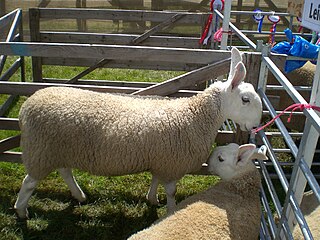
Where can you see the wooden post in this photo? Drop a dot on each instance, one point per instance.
(238, 17)
(81, 23)
(2, 7)
(34, 16)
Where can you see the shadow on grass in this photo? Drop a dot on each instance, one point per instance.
(120, 221)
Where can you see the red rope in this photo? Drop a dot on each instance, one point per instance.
(293, 107)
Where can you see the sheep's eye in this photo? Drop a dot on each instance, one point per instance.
(245, 99)
(220, 159)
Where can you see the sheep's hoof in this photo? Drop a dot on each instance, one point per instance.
(22, 214)
(153, 201)
(82, 198)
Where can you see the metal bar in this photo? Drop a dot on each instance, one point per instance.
(271, 188)
(264, 231)
(310, 178)
(280, 87)
(290, 204)
(279, 123)
(262, 13)
(243, 37)
(265, 204)
(282, 178)
(293, 93)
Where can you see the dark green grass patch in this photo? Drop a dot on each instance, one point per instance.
(116, 206)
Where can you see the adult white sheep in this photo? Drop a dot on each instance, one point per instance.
(228, 210)
(110, 134)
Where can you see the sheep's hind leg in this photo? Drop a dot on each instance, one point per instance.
(171, 188)
(27, 188)
(152, 193)
(76, 191)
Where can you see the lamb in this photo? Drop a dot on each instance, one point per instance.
(110, 134)
(228, 210)
(310, 207)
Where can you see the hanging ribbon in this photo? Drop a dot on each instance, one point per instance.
(293, 107)
(217, 37)
(274, 19)
(258, 17)
(207, 32)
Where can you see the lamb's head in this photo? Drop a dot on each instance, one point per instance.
(240, 102)
(232, 160)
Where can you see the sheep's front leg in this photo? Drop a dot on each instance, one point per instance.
(152, 193)
(76, 191)
(27, 188)
(171, 189)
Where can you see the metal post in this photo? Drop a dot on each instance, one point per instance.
(263, 75)
(225, 24)
(298, 181)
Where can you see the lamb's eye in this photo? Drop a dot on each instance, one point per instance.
(220, 159)
(245, 99)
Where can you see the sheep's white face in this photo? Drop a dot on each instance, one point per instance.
(233, 160)
(244, 106)
(240, 101)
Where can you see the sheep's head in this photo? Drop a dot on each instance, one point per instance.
(233, 160)
(240, 103)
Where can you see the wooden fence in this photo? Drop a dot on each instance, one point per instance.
(145, 51)
(163, 51)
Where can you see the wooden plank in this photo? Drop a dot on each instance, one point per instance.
(27, 89)
(188, 79)
(2, 8)
(157, 28)
(117, 52)
(128, 64)
(9, 143)
(9, 123)
(104, 83)
(7, 19)
(12, 70)
(13, 157)
(118, 39)
(7, 104)
(117, 14)
(252, 62)
(34, 19)
(135, 41)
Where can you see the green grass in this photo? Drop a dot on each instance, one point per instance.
(116, 206)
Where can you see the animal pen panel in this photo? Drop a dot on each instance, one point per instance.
(160, 52)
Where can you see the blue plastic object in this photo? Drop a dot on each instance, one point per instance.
(297, 46)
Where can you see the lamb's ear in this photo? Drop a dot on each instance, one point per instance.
(245, 153)
(235, 59)
(239, 75)
(260, 153)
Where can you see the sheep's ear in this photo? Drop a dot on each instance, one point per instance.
(235, 59)
(245, 153)
(239, 75)
(260, 153)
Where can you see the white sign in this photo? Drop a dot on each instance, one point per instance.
(311, 15)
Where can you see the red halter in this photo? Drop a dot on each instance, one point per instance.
(293, 107)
